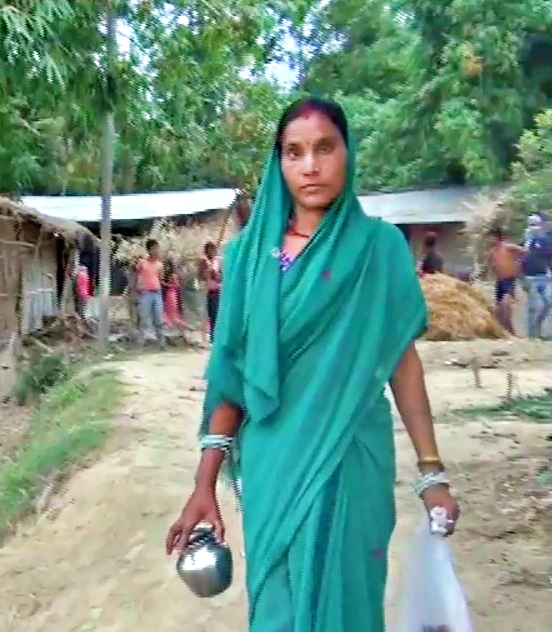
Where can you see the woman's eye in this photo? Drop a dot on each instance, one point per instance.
(292, 152)
(325, 148)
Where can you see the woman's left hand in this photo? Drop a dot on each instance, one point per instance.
(440, 496)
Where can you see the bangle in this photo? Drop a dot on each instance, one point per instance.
(428, 480)
(216, 442)
(431, 460)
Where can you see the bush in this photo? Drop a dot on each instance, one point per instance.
(40, 374)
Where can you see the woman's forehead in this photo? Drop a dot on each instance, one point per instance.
(309, 127)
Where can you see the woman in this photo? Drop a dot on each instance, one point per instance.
(319, 311)
(83, 291)
(432, 262)
(210, 273)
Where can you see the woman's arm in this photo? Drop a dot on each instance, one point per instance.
(408, 386)
(225, 421)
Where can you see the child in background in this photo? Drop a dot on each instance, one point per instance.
(83, 293)
(171, 314)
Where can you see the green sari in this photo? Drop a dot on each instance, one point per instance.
(307, 355)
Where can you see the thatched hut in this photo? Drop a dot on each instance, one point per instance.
(37, 256)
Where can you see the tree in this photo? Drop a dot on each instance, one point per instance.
(31, 62)
(450, 105)
(177, 75)
(531, 189)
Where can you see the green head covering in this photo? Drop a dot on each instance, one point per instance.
(268, 318)
(247, 329)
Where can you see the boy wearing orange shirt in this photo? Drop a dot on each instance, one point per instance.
(149, 273)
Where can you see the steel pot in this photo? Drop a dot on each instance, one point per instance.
(205, 565)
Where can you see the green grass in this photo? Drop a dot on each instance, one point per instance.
(72, 420)
(531, 407)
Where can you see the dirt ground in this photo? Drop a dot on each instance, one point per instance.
(95, 561)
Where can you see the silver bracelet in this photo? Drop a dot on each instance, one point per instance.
(428, 480)
(216, 442)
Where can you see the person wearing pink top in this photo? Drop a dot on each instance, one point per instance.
(82, 280)
(210, 272)
(171, 314)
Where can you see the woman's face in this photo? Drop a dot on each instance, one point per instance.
(314, 158)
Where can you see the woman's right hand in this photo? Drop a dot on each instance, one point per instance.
(201, 507)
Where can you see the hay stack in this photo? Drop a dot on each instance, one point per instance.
(458, 311)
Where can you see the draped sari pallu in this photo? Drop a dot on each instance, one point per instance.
(316, 449)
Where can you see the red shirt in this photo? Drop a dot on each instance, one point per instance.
(83, 284)
(149, 274)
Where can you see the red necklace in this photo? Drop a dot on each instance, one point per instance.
(292, 232)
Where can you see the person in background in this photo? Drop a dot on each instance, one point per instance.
(210, 272)
(432, 262)
(82, 281)
(504, 259)
(546, 223)
(171, 315)
(149, 272)
(536, 267)
(242, 210)
(132, 295)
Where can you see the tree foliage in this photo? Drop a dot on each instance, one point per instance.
(437, 93)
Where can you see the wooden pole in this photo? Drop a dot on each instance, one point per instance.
(107, 191)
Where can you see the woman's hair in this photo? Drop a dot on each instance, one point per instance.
(498, 233)
(304, 107)
(151, 244)
(209, 246)
(168, 270)
(430, 240)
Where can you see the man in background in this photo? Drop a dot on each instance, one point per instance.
(546, 223)
(504, 258)
(149, 275)
(536, 267)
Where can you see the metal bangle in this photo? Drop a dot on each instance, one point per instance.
(216, 442)
(428, 480)
(431, 460)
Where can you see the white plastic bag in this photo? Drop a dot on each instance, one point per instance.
(432, 598)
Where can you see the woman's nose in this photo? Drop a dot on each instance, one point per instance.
(311, 163)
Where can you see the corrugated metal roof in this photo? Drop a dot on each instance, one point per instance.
(412, 207)
(438, 206)
(135, 206)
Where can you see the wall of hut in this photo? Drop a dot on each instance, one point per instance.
(30, 261)
(39, 278)
(11, 254)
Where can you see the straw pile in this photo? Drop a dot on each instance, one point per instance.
(458, 311)
(183, 245)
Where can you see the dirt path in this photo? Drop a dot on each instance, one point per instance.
(96, 562)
